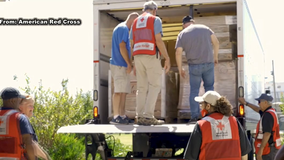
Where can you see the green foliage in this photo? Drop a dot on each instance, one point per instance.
(54, 109)
(282, 109)
(282, 100)
(68, 147)
(118, 149)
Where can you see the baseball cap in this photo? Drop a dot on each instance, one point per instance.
(210, 97)
(266, 97)
(187, 19)
(10, 92)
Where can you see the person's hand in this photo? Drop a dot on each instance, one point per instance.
(259, 155)
(215, 61)
(129, 69)
(242, 100)
(167, 65)
(182, 73)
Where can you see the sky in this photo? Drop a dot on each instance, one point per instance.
(47, 53)
(53, 53)
(267, 17)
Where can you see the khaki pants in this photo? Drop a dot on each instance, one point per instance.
(121, 79)
(148, 74)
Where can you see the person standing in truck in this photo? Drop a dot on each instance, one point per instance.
(218, 135)
(196, 41)
(267, 141)
(147, 47)
(121, 66)
(15, 130)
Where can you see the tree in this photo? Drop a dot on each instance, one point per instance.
(54, 109)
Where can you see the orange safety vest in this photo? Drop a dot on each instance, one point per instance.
(275, 130)
(10, 135)
(143, 35)
(220, 138)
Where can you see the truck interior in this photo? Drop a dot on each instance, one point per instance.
(147, 143)
(220, 17)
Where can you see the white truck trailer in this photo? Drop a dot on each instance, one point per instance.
(240, 72)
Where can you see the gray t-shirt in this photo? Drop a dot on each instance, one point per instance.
(196, 43)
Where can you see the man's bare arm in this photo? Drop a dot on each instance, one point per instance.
(39, 152)
(30, 148)
(179, 58)
(131, 49)
(245, 157)
(215, 44)
(254, 107)
(161, 46)
(124, 53)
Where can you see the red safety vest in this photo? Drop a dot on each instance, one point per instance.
(220, 138)
(10, 135)
(143, 35)
(275, 130)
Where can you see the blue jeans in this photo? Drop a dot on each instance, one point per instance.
(196, 73)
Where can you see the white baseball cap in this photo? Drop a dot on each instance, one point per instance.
(210, 97)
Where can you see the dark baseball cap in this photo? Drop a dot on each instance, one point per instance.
(266, 97)
(10, 92)
(187, 19)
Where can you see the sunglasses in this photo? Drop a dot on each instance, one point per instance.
(259, 101)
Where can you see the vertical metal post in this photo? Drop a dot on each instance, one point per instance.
(273, 75)
(191, 11)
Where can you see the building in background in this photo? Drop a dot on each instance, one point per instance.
(279, 87)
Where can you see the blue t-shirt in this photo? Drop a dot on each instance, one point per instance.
(34, 134)
(120, 33)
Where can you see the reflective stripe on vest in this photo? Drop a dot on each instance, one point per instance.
(4, 122)
(143, 35)
(221, 129)
(143, 46)
(260, 134)
(10, 135)
(8, 158)
(275, 130)
(220, 138)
